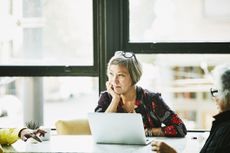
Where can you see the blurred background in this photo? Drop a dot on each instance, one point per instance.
(50, 33)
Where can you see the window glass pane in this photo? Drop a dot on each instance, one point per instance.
(184, 82)
(11, 103)
(179, 20)
(69, 98)
(32, 8)
(47, 32)
(61, 97)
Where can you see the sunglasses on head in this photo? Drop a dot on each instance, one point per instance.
(125, 54)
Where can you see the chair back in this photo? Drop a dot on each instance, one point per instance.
(73, 127)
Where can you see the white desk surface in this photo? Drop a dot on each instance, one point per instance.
(192, 143)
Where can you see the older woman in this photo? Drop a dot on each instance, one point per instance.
(122, 95)
(219, 138)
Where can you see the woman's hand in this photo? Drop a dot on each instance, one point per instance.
(161, 147)
(26, 133)
(116, 98)
(154, 132)
(111, 91)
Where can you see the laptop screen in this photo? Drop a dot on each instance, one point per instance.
(120, 128)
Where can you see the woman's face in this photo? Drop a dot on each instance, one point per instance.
(120, 78)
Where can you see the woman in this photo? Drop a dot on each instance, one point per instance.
(219, 138)
(122, 95)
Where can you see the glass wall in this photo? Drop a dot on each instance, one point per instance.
(62, 97)
(46, 32)
(160, 27)
(60, 33)
(179, 20)
(36, 33)
(184, 80)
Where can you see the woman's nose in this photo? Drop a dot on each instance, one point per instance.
(114, 79)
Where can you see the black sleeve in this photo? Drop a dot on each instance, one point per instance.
(103, 102)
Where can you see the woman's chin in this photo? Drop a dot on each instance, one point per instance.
(117, 91)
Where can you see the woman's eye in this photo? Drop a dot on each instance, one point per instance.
(121, 75)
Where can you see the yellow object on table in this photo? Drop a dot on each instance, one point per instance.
(8, 136)
(1, 150)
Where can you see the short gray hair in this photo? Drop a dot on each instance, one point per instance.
(129, 60)
(221, 75)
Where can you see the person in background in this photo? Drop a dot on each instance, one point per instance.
(124, 96)
(219, 139)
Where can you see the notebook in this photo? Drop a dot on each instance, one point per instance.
(118, 128)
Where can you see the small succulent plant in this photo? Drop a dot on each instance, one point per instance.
(32, 125)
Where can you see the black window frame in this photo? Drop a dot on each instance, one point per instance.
(62, 70)
(111, 33)
(115, 36)
(171, 47)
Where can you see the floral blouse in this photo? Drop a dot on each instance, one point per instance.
(155, 112)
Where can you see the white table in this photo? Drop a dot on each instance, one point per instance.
(85, 144)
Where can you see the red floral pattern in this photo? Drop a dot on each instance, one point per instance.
(176, 119)
(170, 131)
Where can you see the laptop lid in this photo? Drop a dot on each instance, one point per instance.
(119, 128)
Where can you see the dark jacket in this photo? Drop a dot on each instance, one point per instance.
(219, 138)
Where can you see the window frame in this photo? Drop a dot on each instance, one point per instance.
(170, 47)
(111, 33)
(63, 70)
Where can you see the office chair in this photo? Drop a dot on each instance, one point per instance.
(73, 127)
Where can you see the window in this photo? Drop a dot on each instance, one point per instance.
(184, 82)
(57, 97)
(179, 21)
(50, 48)
(47, 60)
(47, 32)
(179, 43)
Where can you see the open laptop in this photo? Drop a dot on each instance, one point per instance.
(118, 128)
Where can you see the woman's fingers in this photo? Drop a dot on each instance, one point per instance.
(161, 147)
(109, 86)
(157, 146)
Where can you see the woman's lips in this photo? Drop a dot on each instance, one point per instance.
(117, 88)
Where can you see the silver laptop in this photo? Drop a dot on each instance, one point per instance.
(118, 128)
